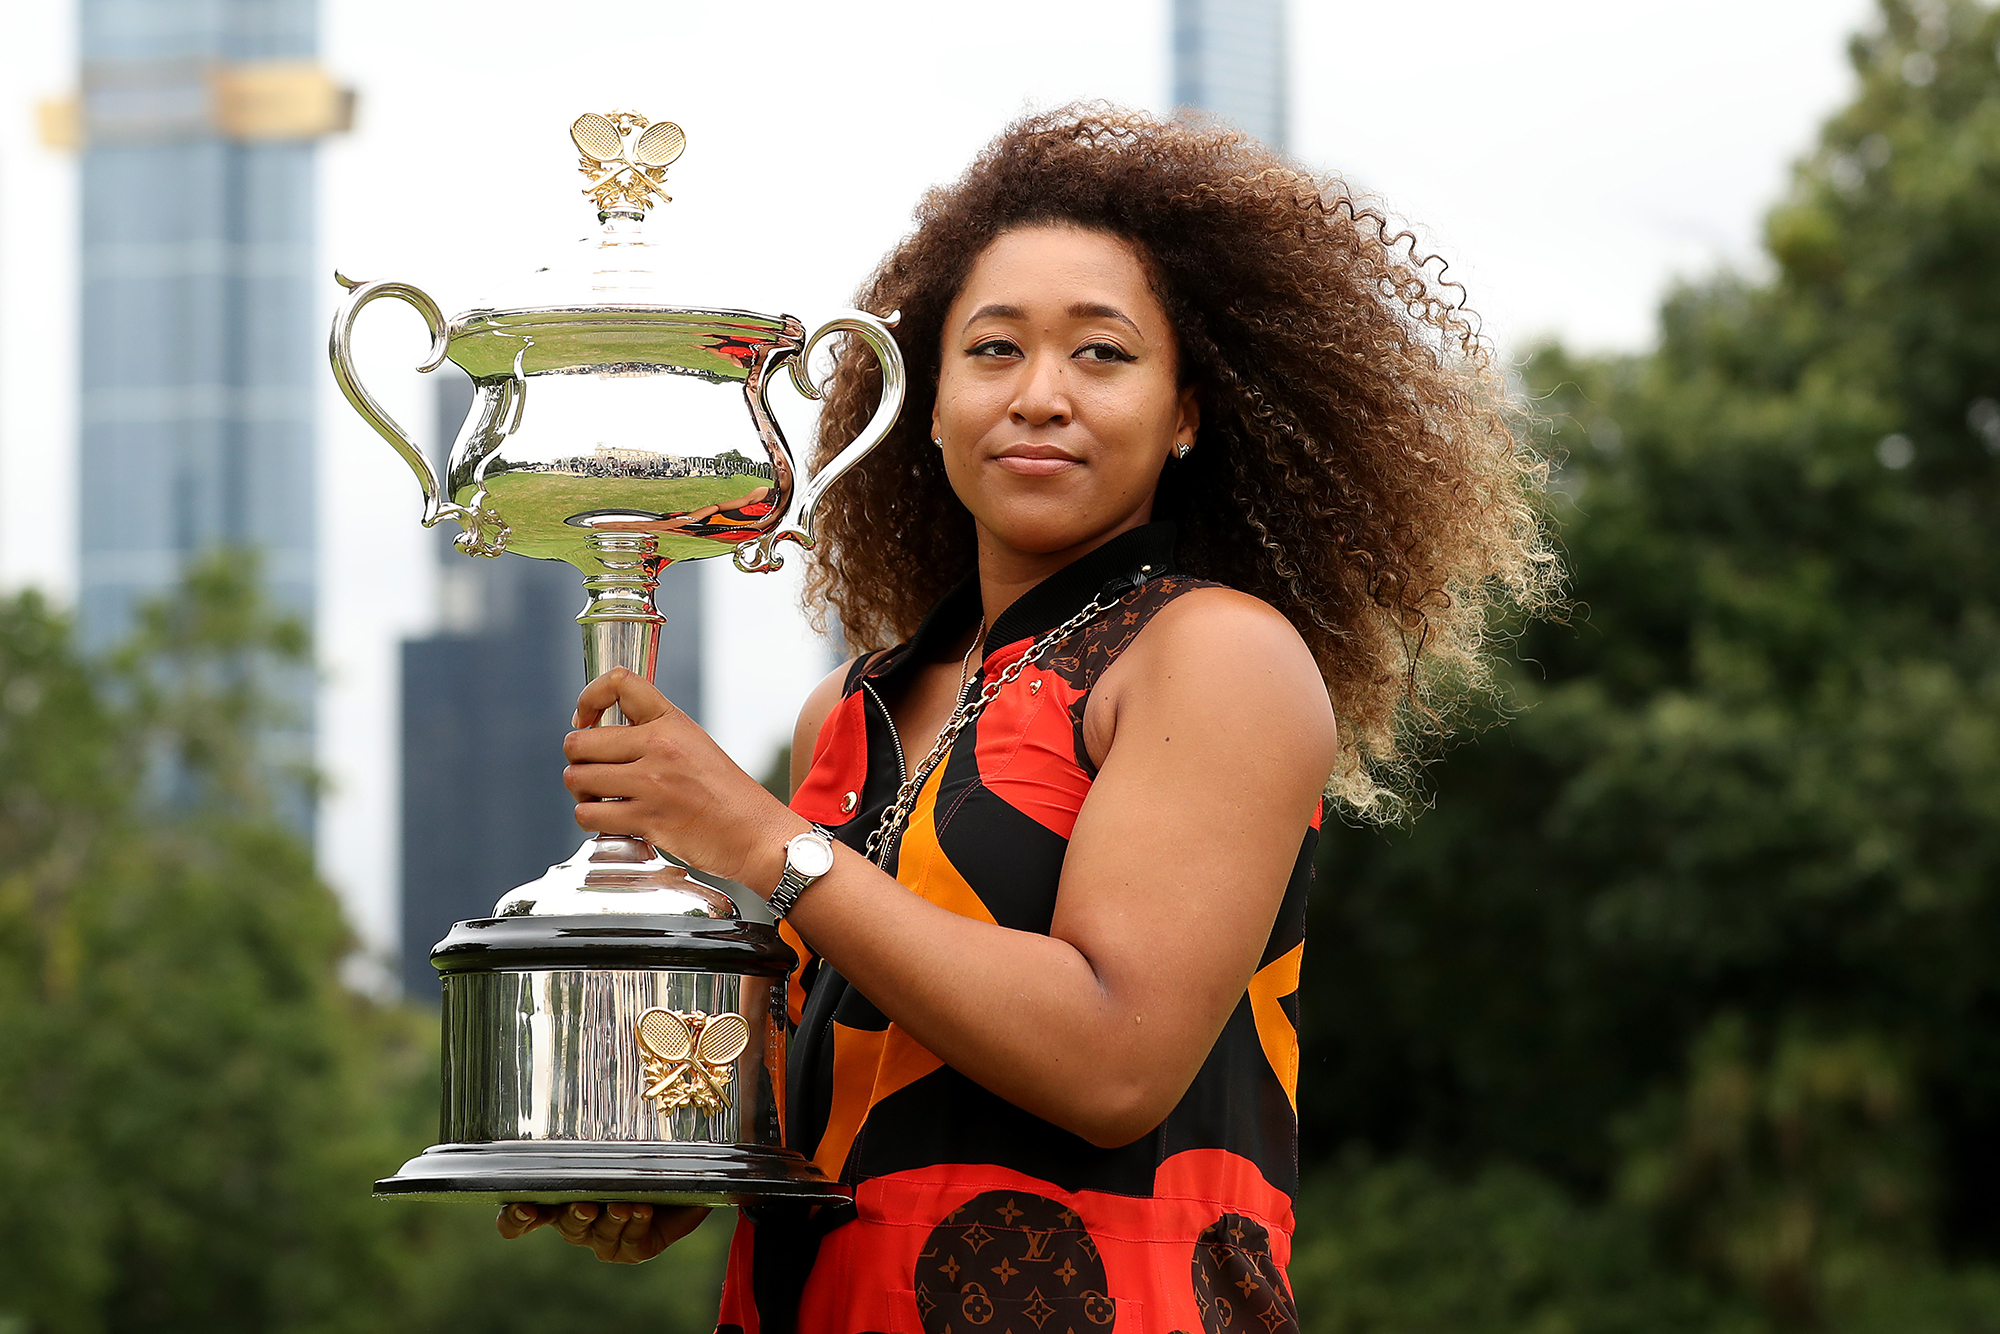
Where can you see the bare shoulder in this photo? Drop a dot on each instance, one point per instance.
(1221, 653)
(1216, 612)
(1215, 637)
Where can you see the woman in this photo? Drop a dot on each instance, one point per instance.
(1201, 483)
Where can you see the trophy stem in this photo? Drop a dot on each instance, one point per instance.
(621, 624)
(619, 873)
(621, 628)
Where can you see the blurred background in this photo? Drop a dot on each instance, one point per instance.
(1678, 1009)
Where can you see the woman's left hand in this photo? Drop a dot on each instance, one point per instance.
(676, 787)
(620, 1234)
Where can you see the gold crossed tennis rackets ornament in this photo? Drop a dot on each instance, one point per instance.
(688, 1056)
(626, 157)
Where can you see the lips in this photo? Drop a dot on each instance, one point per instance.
(1036, 460)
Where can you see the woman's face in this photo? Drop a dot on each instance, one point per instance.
(1058, 399)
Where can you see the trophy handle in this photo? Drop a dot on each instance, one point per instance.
(340, 351)
(761, 556)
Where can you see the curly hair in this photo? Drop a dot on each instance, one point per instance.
(1357, 465)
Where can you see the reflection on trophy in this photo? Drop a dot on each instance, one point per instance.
(616, 1030)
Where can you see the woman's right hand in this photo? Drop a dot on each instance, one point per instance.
(621, 1234)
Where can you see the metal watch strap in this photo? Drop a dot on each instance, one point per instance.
(792, 883)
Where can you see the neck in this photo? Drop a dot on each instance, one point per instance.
(1006, 572)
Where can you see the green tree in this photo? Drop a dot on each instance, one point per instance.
(192, 1105)
(1708, 934)
(182, 1075)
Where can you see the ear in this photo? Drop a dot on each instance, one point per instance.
(1188, 422)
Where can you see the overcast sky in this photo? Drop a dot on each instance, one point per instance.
(1569, 158)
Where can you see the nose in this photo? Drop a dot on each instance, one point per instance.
(1041, 395)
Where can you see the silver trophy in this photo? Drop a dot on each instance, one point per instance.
(616, 1030)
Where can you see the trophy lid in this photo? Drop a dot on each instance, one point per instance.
(625, 158)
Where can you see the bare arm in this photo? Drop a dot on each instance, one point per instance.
(1219, 740)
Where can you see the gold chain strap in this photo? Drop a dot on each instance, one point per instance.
(961, 718)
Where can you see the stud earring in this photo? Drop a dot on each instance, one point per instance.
(1182, 451)
(938, 440)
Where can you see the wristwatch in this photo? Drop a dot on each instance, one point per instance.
(807, 857)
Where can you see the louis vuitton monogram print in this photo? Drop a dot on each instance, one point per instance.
(1237, 1285)
(1007, 1262)
(1083, 658)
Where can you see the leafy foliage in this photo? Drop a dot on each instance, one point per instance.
(192, 1105)
(1400, 1246)
(1709, 934)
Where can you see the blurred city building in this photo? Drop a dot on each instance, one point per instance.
(486, 702)
(196, 123)
(1229, 59)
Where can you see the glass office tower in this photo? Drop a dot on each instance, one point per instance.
(196, 121)
(1229, 59)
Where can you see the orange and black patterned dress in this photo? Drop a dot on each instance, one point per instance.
(971, 1215)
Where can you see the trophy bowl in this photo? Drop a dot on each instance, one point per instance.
(616, 1030)
(636, 426)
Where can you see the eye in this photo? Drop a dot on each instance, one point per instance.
(1104, 352)
(993, 347)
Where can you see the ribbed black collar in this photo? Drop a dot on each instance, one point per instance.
(1128, 560)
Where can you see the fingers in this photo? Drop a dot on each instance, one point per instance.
(639, 698)
(623, 1235)
(601, 782)
(574, 1222)
(616, 1233)
(606, 817)
(604, 1228)
(517, 1220)
(604, 745)
(650, 1230)
(634, 1242)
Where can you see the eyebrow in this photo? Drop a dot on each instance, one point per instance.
(1088, 310)
(994, 311)
(1081, 310)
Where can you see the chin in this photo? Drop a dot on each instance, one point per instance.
(1042, 516)
(1047, 544)
(1046, 528)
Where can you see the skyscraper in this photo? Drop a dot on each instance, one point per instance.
(1229, 59)
(196, 122)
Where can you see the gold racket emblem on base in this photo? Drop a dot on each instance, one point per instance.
(689, 1057)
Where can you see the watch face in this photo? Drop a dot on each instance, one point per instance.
(809, 855)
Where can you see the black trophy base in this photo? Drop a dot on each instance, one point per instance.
(559, 1172)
